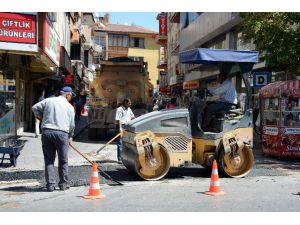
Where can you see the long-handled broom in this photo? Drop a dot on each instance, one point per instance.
(91, 162)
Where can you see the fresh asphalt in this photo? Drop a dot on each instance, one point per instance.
(271, 184)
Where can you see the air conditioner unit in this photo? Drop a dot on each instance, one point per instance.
(97, 48)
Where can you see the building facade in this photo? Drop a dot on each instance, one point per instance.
(134, 42)
(39, 51)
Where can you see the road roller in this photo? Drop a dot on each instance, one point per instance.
(156, 141)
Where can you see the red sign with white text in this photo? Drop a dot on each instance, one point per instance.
(18, 28)
(163, 31)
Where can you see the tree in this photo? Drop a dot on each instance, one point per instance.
(276, 36)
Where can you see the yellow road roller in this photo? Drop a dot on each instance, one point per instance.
(156, 141)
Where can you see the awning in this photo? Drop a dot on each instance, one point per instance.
(213, 56)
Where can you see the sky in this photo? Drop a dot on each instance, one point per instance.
(144, 19)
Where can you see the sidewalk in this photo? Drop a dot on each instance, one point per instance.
(30, 163)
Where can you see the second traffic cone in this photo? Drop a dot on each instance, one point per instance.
(94, 189)
(214, 188)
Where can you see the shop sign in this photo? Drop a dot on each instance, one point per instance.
(292, 131)
(162, 73)
(18, 32)
(51, 42)
(270, 131)
(69, 79)
(164, 90)
(192, 84)
(173, 80)
(261, 79)
(91, 76)
(163, 31)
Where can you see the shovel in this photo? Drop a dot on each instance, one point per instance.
(96, 152)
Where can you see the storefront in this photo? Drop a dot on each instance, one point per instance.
(18, 41)
(190, 88)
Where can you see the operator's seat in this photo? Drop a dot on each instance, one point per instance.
(228, 114)
(233, 110)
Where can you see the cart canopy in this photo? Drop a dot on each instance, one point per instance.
(281, 88)
(213, 56)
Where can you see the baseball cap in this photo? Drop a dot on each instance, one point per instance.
(68, 89)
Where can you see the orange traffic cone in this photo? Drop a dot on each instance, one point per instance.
(94, 189)
(214, 188)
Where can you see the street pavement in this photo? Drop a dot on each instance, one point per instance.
(272, 185)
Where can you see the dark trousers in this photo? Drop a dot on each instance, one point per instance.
(213, 108)
(55, 141)
(119, 143)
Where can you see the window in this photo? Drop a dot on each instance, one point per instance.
(137, 43)
(242, 43)
(270, 112)
(175, 122)
(291, 111)
(136, 58)
(86, 58)
(186, 18)
(97, 40)
(216, 43)
(7, 103)
(118, 40)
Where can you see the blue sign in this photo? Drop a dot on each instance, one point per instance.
(261, 79)
(162, 73)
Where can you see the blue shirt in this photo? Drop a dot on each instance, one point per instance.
(57, 114)
(226, 92)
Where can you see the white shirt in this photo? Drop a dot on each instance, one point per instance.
(57, 113)
(124, 115)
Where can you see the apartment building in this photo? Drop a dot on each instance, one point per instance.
(134, 42)
(48, 55)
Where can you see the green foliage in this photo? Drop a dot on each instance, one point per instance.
(276, 36)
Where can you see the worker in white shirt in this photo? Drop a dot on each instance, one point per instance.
(123, 115)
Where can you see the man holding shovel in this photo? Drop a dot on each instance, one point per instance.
(57, 116)
(123, 115)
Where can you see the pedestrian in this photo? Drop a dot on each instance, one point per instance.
(58, 124)
(172, 104)
(37, 121)
(123, 115)
(78, 106)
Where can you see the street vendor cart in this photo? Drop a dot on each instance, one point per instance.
(280, 118)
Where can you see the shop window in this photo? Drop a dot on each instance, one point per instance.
(291, 111)
(7, 104)
(271, 112)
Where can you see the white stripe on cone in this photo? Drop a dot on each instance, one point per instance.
(95, 186)
(215, 183)
(95, 174)
(214, 171)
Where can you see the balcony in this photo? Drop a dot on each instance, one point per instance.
(206, 27)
